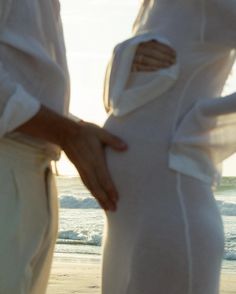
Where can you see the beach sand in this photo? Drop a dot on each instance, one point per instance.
(75, 274)
(81, 274)
(228, 283)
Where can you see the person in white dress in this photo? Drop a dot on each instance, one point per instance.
(167, 235)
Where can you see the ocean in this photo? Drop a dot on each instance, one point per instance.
(82, 221)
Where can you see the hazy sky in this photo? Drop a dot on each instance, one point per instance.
(91, 29)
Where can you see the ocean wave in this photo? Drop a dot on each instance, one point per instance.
(94, 238)
(84, 237)
(230, 255)
(73, 202)
(227, 208)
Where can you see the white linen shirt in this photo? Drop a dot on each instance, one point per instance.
(33, 69)
(203, 33)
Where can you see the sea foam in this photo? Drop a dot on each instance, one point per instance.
(73, 202)
(83, 237)
(227, 208)
(84, 227)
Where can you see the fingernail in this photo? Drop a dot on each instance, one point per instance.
(123, 145)
(113, 208)
(112, 205)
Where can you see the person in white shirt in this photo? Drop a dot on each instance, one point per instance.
(34, 127)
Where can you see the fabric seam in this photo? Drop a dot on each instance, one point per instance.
(186, 232)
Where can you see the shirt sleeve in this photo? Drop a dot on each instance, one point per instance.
(205, 138)
(16, 105)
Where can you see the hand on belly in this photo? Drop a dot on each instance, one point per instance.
(153, 55)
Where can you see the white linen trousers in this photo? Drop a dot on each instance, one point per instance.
(28, 218)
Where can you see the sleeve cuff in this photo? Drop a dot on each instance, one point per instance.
(20, 108)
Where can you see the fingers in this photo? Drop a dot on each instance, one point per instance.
(156, 52)
(104, 177)
(89, 159)
(164, 48)
(93, 186)
(87, 151)
(112, 141)
(153, 55)
(151, 63)
(147, 68)
(98, 180)
(104, 136)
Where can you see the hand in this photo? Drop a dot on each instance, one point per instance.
(84, 144)
(152, 56)
(85, 147)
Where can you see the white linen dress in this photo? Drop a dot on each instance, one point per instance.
(167, 235)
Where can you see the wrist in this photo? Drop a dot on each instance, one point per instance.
(50, 126)
(69, 128)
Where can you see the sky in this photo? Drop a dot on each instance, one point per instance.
(91, 29)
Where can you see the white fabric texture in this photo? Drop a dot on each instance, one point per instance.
(201, 52)
(32, 65)
(126, 91)
(33, 72)
(167, 234)
(19, 109)
(28, 219)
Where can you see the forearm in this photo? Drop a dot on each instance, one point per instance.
(49, 126)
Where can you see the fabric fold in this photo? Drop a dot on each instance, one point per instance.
(20, 108)
(204, 138)
(126, 91)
